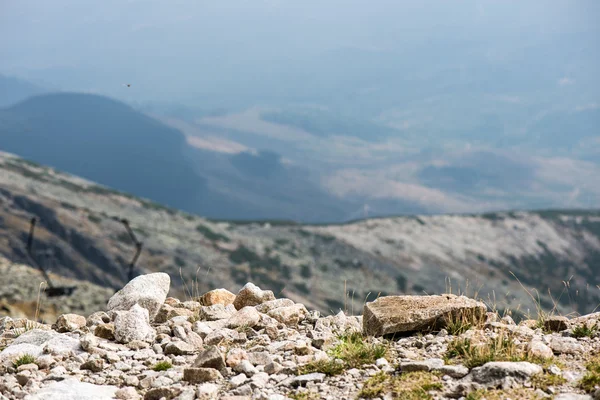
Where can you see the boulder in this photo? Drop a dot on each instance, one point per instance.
(148, 291)
(405, 314)
(201, 375)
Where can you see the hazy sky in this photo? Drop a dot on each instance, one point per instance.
(177, 48)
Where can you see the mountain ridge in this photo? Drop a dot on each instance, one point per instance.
(328, 267)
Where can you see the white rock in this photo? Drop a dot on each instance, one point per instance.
(133, 324)
(148, 291)
(72, 389)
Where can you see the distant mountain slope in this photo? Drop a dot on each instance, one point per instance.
(554, 254)
(14, 90)
(105, 141)
(111, 143)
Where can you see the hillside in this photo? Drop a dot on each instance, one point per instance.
(552, 252)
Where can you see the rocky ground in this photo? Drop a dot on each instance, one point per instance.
(254, 346)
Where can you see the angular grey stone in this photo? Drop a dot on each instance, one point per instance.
(133, 324)
(148, 291)
(454, 371)
(62, 345)
(398, 314)
(211, 357)
(504, 373)
(566, 345)
(35, 336)
(179, 348)
(427, 365)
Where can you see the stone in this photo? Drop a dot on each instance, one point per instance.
(302, 380)
(133, 324)
(70, 322)
(252, 295)
(404, 314)
(454, 371)
(290, 315)
(37, 337)
(217, 296)
(97, 318)
(88, 341)
(179, 348)
(246, 317)
(245, 367)
(235, 356)
(556, 323)
(565, 345)
(504, 374)
(105, 331)
(426, 366)
(147, 291)
(216, 312)
(159, 393)
(572, 396)
(338, 324)
(537, 348)
(267, 306)
(201, 375)
(62, 345)
(127, 393)
(211, 357)
(167, 312)
(95, 365)
(72, 389)
(208, 391)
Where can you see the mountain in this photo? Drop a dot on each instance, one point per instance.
(111, 143)
(14, 90)
(504, 258)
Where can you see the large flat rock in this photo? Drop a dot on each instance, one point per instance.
(405, 314)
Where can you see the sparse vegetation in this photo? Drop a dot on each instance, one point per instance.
(544, 381)
(351, 351)
(584, 330)
(24, 359)
(591, 379)
(409, 386)
(304, 395)
(500, 348)
(521, 394)
(162, 366)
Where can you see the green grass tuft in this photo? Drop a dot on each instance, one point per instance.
(352, 351)
(23, 360)
(162, 366)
